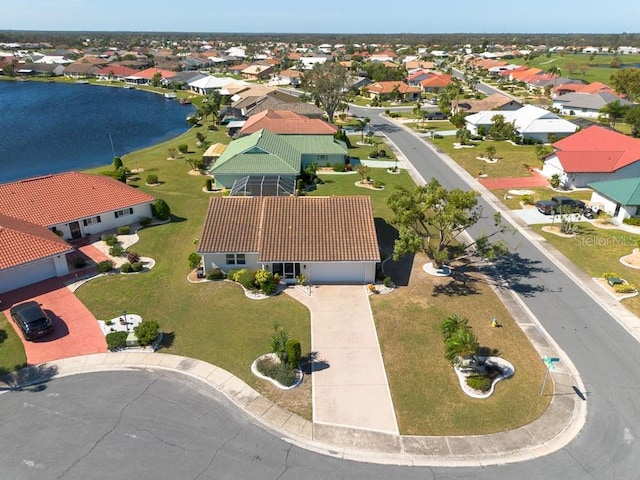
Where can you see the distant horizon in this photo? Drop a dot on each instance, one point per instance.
(331, 18)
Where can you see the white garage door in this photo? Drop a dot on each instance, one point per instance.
(26, 274)
(342, 272)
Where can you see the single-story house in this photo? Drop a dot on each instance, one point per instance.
(326, 239)
(384, 90)
(620, 198)
(594, 154)
(286, 122)
(257, 72)
(585, 104)
(496, 101)
(529, 122)
(266, 153)
(68, 206)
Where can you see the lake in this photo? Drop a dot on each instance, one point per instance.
(48, 127)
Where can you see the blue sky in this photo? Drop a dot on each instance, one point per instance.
(328, 16)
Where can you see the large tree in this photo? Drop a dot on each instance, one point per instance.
(613, 111)
(632, 117)
(327, 83)
(627, 82)
(431, 219)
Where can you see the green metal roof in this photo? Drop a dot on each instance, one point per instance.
(261, 153)
(625, 191)
(317, 144)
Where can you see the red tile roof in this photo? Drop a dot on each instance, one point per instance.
(148, 73)
(286, 122)
(594, 87)
(597, 149)
(439, 81)
(117, 71)
(292, 229)
(23, 242)
(385, 87)
(65, 197)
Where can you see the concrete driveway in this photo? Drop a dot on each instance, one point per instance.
(350, 386)
(75, 329)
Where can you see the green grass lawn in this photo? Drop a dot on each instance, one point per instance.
(363, 151)
(12, 356)
(511, 163)
(598, 250)
(580, 65)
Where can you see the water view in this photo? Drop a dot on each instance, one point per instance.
(53, 127)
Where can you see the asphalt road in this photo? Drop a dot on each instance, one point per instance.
(607, 357)
(164, 426)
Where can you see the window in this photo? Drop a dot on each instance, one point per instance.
(91, 221)
(322, 157)
(235, 259)
(122, 213)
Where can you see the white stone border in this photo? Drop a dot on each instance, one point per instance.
(254, 370)
(501, 363)
(443, 271)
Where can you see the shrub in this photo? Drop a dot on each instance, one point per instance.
(147, 332)
(136, 266)
(269, 287)
(373, 154)
(161, 209)
(105, 266)
(529, 199)
(555, 180)
(479, 382)
(280, 372)
(247, 279)
(120, 174)
(394, 114)
(378, 184)
(624, 288)
(124, 230)
(194, 260)
(116, 340)
(386, 281)
(200, 136)
(387, 111)
(214, 274)
(632, 221)
(438, 136)
(152, 179)
(116, 251)
(117, 163)
(133, 257)
(279, 340)
(183, 148)
(208, 184)
(300, 185)
(294, 352)
(78, 262)
(145, 222)
(263, 276)
(382, 153)
(234, 274)
(610, 275)
(338, 167)
(126, 268)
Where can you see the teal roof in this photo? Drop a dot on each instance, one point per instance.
(260, 153)
(625, 191)
(317, 144)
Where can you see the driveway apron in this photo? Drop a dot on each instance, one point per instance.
(350, 386)
(75, 329)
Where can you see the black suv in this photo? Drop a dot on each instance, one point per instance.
(31, 319)
(435, 116)
(560, 204)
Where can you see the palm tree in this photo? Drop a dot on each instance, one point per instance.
(451, 325)
(555, 72)
(361, 124)
(464, 135)
(462, 346)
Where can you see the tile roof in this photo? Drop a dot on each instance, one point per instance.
(23, 242)
(292, 229)
(597, 149)
(149, 73)
(64, 197)
(385, 87)
(117, 71)
(625, 191)
(592, 101)
(286, 122)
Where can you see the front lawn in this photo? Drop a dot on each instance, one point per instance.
(512, 159)
(12, 356)
(426, 394)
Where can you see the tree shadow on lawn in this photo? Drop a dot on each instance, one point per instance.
(400, 270)
(513, 271)
(30, 378)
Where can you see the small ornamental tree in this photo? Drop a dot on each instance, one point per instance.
(194, 260)
(294, 352)
(161, 210)
(279, 341)
(147, 332)
(117, 163)
(183, 148)
(490, 151)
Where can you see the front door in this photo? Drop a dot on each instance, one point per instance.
(74, 227)
(291, 270)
